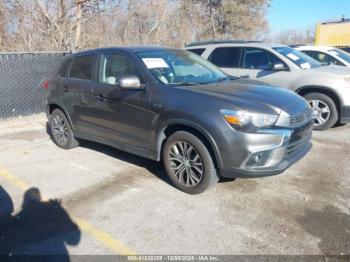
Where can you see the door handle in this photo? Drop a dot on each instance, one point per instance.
(99, 97)
(102, 98)
(244, 76)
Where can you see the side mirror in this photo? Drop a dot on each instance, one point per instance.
(129, 82)
(278, 67)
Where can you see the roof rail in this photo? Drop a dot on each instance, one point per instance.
(221, 42)
(297, 45)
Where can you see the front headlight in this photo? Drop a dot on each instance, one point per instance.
(248, 121)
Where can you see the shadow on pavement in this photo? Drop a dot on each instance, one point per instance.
(331, 226)
(154, 167)
(40, 228)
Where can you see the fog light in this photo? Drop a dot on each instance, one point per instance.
(259, 158)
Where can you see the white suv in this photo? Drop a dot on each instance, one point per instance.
(326, 88)
(326, 54)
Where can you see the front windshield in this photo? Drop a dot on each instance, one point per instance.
(179, 67)
(300, 59)
(341, 54)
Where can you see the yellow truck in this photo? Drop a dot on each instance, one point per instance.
(333, 33)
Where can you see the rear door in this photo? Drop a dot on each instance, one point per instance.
(257, 63)
(122, 116)
(77, 91)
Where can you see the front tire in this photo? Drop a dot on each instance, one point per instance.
(324, 110)
(188, 163)
(61, 131)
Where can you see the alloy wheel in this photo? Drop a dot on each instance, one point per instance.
(320, 111)
(59, 130)
(185, 164)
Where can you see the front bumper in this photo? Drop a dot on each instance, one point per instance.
(276, 149)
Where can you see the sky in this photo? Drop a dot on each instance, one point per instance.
(305, 14)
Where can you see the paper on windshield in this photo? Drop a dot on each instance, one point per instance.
(293, 57)
(305, 65)
(155, 63)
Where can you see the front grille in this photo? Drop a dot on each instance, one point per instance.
(295, 146)
(285, 120)
(292, 148)
(300, 119)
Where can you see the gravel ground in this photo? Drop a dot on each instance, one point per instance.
(304, 211)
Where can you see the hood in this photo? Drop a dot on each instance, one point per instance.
(250, 93)
(333, 69)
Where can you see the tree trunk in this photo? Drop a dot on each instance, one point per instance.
(78, 15)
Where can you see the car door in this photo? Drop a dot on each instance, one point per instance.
(121, 116)
(257, 63)
(228, 59)
(76, 90)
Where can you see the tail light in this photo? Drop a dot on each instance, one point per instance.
(46, 84)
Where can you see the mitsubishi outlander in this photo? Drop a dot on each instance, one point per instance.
(172, 105)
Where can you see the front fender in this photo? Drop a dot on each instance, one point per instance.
(190, 122)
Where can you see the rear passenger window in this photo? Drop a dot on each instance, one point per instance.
(197, 51)
(227, 57)
(82, 67)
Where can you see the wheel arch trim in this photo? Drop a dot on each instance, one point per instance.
(59, 106)
(161, 137)
(327, 91)
(320, 89)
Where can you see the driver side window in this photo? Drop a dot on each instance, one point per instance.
(114, 66)
(326, 59)
(256, 58)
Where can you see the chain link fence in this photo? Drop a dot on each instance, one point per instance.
(21, 79)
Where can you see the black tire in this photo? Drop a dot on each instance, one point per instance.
(207, 178)
(69, 142)
(333, 117)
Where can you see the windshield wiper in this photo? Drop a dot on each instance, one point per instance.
(226, 78)
(189, 84)
(234, 77)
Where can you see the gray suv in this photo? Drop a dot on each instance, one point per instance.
(326, 88)
(172, 105)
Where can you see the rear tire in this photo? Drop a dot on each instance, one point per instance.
(188, 163)
(61, 130)
(324, 109)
